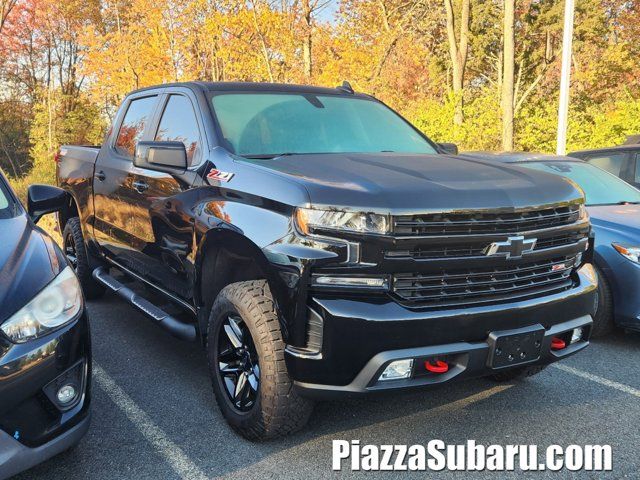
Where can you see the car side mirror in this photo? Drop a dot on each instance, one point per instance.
(170, 157)
(448, 148)
(43, 199)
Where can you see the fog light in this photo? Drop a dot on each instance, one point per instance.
(67, 394)
(398, 369)
(576, 335)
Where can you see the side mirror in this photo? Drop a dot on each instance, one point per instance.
(448, 148)
(170, 157)
(43, 199)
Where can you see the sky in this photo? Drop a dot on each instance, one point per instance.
(328, 12)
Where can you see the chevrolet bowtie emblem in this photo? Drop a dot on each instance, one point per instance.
(514, 247)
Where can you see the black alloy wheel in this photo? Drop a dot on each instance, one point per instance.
(238, 364)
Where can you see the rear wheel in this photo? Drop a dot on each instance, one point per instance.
(603, 319)
(517, 373)
(246, 360)
(76, 252)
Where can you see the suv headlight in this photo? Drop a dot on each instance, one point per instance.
(55, 306)
(632, 253)
(309, 219)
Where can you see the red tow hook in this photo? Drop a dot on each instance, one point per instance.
(438, 367)
(558, 343)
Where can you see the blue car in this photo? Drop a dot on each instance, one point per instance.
(614, 207)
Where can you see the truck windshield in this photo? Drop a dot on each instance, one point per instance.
(600, 187)
(265, 125)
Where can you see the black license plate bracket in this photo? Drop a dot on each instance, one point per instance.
(508, 348)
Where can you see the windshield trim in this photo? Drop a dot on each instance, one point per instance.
(359, 96)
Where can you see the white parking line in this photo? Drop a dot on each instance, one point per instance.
(172, 453)
(597, 379)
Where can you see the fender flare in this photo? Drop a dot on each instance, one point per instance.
(236, 244)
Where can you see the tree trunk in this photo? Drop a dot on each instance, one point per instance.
(307, 14)
(508, 72)
(458, 51)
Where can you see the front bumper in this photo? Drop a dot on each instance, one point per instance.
(360, 337)
(33, 427)
(624, 279)
(466, 360)
(16, 457)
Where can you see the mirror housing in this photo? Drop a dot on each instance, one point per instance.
(43, 199)
(170, 157)
(448, 148)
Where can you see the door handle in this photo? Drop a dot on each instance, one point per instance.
(140, 186)
(101, 176)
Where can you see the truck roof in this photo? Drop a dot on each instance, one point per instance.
(622, 148)
(255, 87)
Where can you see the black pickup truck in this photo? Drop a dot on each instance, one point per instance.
(320, 245)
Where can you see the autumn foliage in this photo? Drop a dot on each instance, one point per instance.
(65, 66)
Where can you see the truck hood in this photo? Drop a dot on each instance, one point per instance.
(25, 264)
(409, 183)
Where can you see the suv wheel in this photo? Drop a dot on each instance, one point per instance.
(517, 373)
(603, 319)
(76, 252)
(246, 359)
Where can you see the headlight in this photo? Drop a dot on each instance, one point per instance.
(309, 219)
(583, 213)
(55, 306)
(632, 253)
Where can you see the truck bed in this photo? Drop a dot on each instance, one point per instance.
(83, 153)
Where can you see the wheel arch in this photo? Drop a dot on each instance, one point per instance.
(224, 257)
(70, 210)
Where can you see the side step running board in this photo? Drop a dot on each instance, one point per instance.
(183, 331)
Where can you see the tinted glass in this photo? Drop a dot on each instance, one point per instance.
(7, 204)
(612, 163)
(600, 187)
(133, 125)
(178, 124)
(637, 177)
(276, 123)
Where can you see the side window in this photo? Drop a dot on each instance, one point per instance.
(133, 125)
(637, 175)
(613, 162)
(178, 124)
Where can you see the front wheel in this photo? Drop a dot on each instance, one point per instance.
(603, 323)
(246, 359)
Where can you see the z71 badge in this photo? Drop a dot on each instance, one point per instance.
(219, 176)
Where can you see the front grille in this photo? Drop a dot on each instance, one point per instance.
(478, 223)
(488, 284)
(477, 249)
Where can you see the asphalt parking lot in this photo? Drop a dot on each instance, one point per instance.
(155, 416)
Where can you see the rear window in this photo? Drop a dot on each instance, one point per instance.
(135, 121)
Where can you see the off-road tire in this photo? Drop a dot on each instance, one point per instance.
(603, 323)
(72, 230)
(517, 373)
(278, 410)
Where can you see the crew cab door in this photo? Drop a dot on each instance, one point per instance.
(114, 194)
(160, 226)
